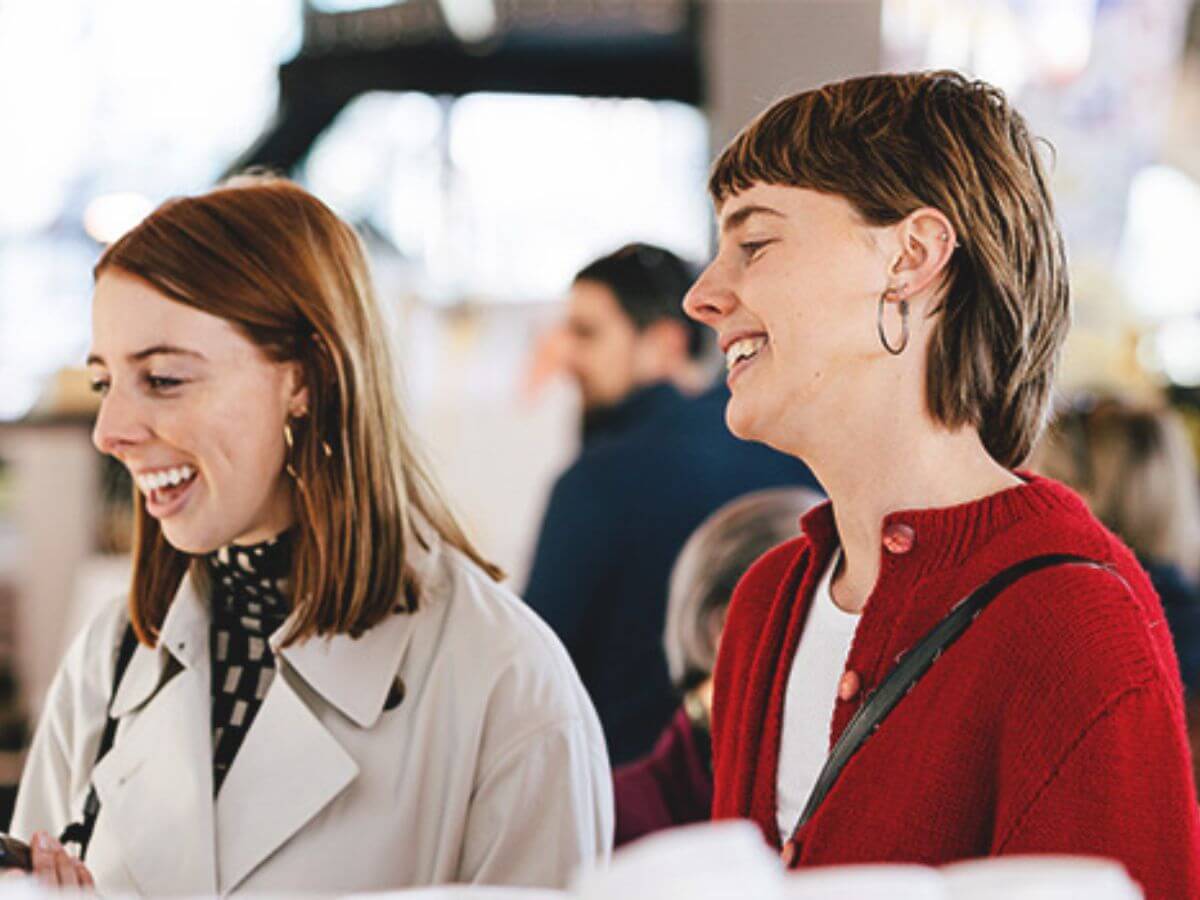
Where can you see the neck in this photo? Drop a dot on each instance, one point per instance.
(888, 470)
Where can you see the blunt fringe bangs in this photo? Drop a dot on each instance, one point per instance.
(892, 144)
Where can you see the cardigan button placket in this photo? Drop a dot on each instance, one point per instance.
(849, 686)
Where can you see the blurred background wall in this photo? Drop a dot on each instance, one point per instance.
(486, 149)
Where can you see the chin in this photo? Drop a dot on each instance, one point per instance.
(741, 423)
(188, 540)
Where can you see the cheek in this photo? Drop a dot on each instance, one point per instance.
(240, 442)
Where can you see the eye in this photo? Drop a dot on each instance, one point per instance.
(751, 249)
(99, 386)
(161, 383)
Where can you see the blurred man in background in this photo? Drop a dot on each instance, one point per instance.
(625, 330)
(654, 463)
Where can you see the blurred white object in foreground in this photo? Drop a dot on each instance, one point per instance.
(723, 860)
(470, 892)
(729, 861)
(1040, 878)
(899, 882)
(698, 862)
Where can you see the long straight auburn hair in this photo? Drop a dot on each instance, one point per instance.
(276, 262)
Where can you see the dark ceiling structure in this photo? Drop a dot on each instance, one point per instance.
(599, 48)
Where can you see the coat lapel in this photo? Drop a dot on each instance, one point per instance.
(291, 766)
(157, 778)
(287, 770)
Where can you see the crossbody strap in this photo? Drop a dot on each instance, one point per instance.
(80, 832)
(903, 678)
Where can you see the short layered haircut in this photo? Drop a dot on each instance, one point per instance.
(893, 144)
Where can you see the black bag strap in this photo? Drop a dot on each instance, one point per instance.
(904, 677)
(81, 832)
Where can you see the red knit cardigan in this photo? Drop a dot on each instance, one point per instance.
(1054, 725)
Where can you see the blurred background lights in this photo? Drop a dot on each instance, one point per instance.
(470, 20)
(111, 215)
(1175, 350)
(338, 6)
(1158, 263)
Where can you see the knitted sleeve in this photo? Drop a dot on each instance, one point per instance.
(1122, 789)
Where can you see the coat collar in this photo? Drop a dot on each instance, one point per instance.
(183, 639)
(355, 675)
(288, 770)
(163, 758)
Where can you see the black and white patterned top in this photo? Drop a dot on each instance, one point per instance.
(249, 601)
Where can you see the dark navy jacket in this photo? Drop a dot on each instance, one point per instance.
(650, 472)
(1181, 602)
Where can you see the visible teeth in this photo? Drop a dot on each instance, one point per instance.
(743, 349)
(164, 478)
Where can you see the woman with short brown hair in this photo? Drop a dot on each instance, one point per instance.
(316, 684)
(890, 293)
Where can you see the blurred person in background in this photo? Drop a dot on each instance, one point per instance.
(891, 292)
(1135, 466)
(673, 784)
(625, 332)
(316, 683)
(654, 464)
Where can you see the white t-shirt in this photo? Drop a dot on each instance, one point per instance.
(817, 667)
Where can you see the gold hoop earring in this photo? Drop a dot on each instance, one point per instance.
(289, 440)
(898, 294)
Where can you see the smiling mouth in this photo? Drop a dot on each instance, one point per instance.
(164, 488)
(743, 351)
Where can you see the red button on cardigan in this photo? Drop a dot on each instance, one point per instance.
(898, 538)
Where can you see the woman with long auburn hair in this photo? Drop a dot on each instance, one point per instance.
(955, 659)
(316, 683)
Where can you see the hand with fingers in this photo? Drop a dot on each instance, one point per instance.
(53, 866)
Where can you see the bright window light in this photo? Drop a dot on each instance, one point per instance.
(502, 197)
(1158, 263)
(136, 100)
(341, 6)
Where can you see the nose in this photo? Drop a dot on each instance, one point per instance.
(119, 425)
(710, 298)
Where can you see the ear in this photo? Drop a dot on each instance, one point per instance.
(927, 242)
(295, 388)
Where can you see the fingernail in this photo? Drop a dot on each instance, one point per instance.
(42, 841)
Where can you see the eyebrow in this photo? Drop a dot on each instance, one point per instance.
(156, 350)
(739, 216)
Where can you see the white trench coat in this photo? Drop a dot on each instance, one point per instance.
(491, 770)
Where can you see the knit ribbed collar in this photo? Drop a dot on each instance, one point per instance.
(945, 537)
